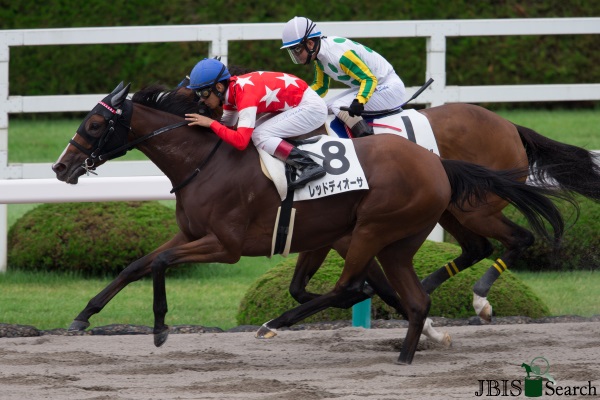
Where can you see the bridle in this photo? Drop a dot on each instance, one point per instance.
(108, 145)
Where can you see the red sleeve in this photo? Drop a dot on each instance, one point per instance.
(237, 138)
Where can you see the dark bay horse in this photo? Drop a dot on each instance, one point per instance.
(472, 133)
(227, 208)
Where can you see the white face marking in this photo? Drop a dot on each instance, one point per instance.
(64, 151)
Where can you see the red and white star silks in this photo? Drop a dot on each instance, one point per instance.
(252, 94)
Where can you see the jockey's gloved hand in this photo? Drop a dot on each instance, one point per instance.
(356, 108)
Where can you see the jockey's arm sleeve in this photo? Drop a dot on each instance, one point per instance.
(229, 117)
(237, 138)
(321, 80)
(354, 66)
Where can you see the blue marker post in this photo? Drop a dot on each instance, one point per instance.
(361, 314)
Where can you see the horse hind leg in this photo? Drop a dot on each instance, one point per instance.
(396, 260)
(309, 262)
(381, 286)
(474, 249)
(515, 239)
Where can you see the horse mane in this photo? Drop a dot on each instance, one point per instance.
(178, 101)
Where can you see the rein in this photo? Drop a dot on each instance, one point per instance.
(117, 119)
(197, 170)
(132, 144)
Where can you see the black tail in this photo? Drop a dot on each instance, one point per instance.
(570, 167)
(471, 183)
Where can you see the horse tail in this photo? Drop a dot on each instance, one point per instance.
(570, 167)
(471, 183)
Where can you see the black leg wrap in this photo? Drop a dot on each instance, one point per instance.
(434, 280)
(483, 285)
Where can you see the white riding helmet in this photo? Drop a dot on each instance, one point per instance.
(296, 32)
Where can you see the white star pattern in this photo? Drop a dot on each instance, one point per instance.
(270, 96)
(289, 80)
(286, 106)
(244, 81)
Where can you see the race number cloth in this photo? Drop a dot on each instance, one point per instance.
(337, 156)
(409, 124)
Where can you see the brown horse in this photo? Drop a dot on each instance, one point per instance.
(472, 133)
(226, 207)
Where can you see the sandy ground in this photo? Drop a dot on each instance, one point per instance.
(349, 363)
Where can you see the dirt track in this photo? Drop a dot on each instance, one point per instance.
(348, 363)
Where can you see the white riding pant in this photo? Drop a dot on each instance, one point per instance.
(389, 94)
(307, 116)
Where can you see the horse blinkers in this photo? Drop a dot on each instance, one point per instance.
(116, 113)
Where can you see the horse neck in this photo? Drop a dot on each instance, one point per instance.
(177, 152)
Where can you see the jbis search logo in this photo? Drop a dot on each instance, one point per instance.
(537, 371)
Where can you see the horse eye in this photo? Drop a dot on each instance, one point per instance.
(94, 126)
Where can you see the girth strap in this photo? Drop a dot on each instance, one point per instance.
(285, 216)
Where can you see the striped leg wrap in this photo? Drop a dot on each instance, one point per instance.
(433, 281)
(452, 269)
(483, 285)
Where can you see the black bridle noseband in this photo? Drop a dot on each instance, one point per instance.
(108, 145)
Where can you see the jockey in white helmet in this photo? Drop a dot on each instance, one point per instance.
(374, 85)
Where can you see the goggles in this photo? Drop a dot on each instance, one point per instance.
(295, 52)
(204, 93)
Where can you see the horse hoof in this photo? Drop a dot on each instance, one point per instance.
(265, 333)
(483, 308)
(402, 361)
(77, 326)
(438, 337)
(161, 337)
(446, 340)
(486, 313)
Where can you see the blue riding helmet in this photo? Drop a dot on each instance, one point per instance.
(207, 73)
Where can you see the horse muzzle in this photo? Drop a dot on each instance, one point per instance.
(66, 174)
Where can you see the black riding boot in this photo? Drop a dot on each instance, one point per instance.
(309, 170)
(361, 129)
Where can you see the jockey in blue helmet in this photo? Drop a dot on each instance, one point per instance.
(205, 76)
(265, 107)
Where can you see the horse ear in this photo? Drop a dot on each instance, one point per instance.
(118, 88)
(118, 98)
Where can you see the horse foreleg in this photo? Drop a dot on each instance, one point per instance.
(204, 250)
(307, 265)
(348, 290)
(305, 310)
(133, 272)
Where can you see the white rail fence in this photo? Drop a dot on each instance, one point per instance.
(140, 180)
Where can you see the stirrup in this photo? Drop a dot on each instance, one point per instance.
(362, 129)
(308, 175)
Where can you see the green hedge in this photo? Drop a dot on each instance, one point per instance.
(91, 239)
(268, 297)
(44, 70)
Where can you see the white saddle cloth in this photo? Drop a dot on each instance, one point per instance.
(338, 156)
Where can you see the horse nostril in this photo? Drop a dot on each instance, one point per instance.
(58, 167)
